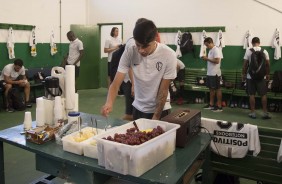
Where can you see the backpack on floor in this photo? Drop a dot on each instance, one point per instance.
(115, 61)
(186, 43)
(15, 99)
(257, 65)
(276, 85)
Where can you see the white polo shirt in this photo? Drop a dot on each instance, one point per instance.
(212, 68)
(148, 73)
(74, 48)
(111, 43)
(9, 70)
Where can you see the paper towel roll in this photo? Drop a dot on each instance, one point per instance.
(59, 72)
(58, 113)
(64, 109)
(76, 102)
(70, 87)
(49, 111)
(40, 117)
(39, 102)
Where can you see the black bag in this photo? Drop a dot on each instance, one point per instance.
(277, 82)
(257, 65)
(115, 61)
(186, 43)
(38, 77)
(15, 99)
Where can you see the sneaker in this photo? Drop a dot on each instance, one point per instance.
(10, 109)
(28, 104)
(266, 116)
(252, 115)
(208, 106)
(217, 109)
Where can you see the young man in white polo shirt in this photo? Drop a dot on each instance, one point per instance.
(154, 67)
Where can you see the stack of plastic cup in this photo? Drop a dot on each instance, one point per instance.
(58, 110)
(27, 121)
(40, 112)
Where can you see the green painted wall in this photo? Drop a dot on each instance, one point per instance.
(43, 58)
(233, 58)
(104, 72)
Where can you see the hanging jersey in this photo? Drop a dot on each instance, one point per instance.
(53, 46)
(203, 49)
(276, 45)
(32, 43)
(232, 139)
(279, 155)
(10, 43)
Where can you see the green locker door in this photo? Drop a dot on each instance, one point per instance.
(89, 66)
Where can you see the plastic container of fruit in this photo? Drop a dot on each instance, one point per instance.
(136, 159)
(74, 142)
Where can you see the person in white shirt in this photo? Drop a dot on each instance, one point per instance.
(111, 45)
(256, 86)
(153, 66)
(13, 75)
(75, 54)
(213, 75)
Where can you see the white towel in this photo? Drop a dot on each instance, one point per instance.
(53, 46)
(32, 43)
(220, 42)
(177, 43)
(203, 50)
(10, 43)
(248, 40)
(279, 155)
(276, 45)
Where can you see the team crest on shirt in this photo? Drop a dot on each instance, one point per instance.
(159, 66)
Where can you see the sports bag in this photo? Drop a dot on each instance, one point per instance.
(257, 65)
(186, 43)
(277, 82)
(15, 99)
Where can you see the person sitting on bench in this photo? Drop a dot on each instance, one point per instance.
(13, 75)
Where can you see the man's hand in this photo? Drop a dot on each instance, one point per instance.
(205, 58)
(244, 77)
(105, 110)
(267, 77)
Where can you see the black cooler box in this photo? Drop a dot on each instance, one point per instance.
(189, 121)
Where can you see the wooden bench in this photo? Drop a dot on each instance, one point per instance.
(191, 75)
(242, 92)
(263, 168)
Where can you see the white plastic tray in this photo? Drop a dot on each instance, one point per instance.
(136, 160)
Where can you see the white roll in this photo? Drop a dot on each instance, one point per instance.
(64, 109)
(40, 117)
(39, 102)
(59, 72)
(70, 87)
(76, 102)
(49, 111)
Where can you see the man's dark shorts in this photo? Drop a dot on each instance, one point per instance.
(180, 75)
(256, 86)
(109, 68)
(213, 82)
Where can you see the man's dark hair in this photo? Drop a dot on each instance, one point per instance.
(255, 40)
(18, 62)
(208, 40)
(113, 31)
(145, 32)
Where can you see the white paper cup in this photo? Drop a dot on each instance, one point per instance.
(27, 120)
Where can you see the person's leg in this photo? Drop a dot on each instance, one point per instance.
(126, 87)
(262, 91)
(264, 103)
(7, 88)
(219, 97)
(109, 74)
(251, 91)
(212, 95)
(76, 76)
